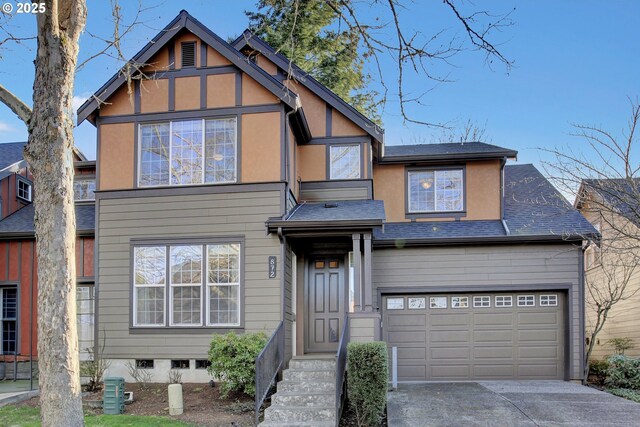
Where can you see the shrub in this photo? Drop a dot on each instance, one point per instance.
(621, 344)
(623, 372)
(232, 358)
(598, 369)
(367, 378)
(626, 393)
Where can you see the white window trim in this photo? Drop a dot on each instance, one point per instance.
(435, 190)
(548, 302)
(204, 137)
(135, 294)
(29, 186)
(507, 301)
(183, 285)
(525, 298)
(359, 147)
(461, 298)
(478, 301)
(207, 293)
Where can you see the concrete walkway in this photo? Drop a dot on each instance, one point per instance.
(508, 403)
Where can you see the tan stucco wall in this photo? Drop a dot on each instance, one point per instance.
(221, 90)
(260, 147)
(119, 103)
(254, 94)
(267, 65)
(315, 109)
(215, 59)
(483, 190)
(341, 126)
(312, 162)
(116, 156)
(388, 185)
(154, 96)
(188, 89)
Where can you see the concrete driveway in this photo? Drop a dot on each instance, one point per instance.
(507, 404)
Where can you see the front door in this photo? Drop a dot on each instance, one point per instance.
(325, 304)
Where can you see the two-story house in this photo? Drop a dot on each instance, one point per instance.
(611, 267)
(236, 193)
(18, 260)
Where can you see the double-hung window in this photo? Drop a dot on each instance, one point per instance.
(344, 162)
(433, 191)
(202, 285)
(188, 152)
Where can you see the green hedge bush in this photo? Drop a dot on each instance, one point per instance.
(623, 372)
(232, 358)
(367, 378)
(598, 370)
(633, 395)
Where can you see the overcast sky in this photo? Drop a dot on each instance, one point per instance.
(575, 62)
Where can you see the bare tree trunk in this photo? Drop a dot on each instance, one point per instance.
(50, 155)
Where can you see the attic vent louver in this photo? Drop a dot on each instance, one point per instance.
(189, 54)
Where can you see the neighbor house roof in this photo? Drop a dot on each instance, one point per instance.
(249, 39)
(185, 21)
(621, 195)
(21, 222)
(445, 151)
(353, 213)
(533, 211)
(11, 153)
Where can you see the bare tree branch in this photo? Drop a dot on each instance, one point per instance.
(16, 105)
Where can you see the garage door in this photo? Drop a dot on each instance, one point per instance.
(476, 336)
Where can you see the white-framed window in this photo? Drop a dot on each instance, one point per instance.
(437, 302)
(188, 152)
(85, 317)
(24, 190)
(344, 161)
(84, 189)
(482, 301)
(395, 303)
(459, 302)
(504, 301)
(435, 191)
(201, 281)
(548, 300)
(417, 303)
(526, 300)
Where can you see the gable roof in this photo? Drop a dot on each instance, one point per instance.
(11, 153)
(185, 21)
(445, 151)
(21, 222)
(249, 39)
(533, 211)
(621, 195)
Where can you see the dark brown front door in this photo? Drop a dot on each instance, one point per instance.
(325, 304)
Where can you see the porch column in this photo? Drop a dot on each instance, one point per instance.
(357, 268)
(367, 286)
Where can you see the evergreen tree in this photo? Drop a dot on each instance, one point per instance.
(309, 33)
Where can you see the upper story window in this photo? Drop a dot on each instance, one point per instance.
(344, 162)
(188, 152)
(24, 190)
(200, 281)
(436, 190)
(84, 189)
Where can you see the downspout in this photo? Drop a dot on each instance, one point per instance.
(283, 243)
(503, 162)
(286, 160)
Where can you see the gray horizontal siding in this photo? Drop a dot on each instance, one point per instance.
(486, 266)
(174, 217)
(335, 190)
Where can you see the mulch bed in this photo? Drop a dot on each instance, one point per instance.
(202, 405)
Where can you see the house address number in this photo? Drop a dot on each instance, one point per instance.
(273, 267)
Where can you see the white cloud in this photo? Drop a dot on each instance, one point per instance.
(4, 127)
(78, 100)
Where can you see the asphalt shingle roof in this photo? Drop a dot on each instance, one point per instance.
(10, 153)
(532, 208)
(619, 194)
(342, 210)
(450, 149)
(21, 221)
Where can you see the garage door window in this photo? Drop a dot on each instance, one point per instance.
(548, 300)
(526, 301)
(459, 302)
(504, 301)
(417, 303)
(482, 301)
(438, 302)
(395, 303)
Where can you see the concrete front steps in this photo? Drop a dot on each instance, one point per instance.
(306, 395)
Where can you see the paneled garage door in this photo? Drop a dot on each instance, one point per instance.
(480, 336)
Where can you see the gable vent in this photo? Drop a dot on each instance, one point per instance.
(189, 54)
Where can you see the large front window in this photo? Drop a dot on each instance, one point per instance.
(188, 152)
(436, 191)
(203, 285)
(344, 161)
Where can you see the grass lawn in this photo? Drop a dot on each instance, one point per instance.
(27, 416)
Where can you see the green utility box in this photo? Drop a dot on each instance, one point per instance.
(113, 401)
